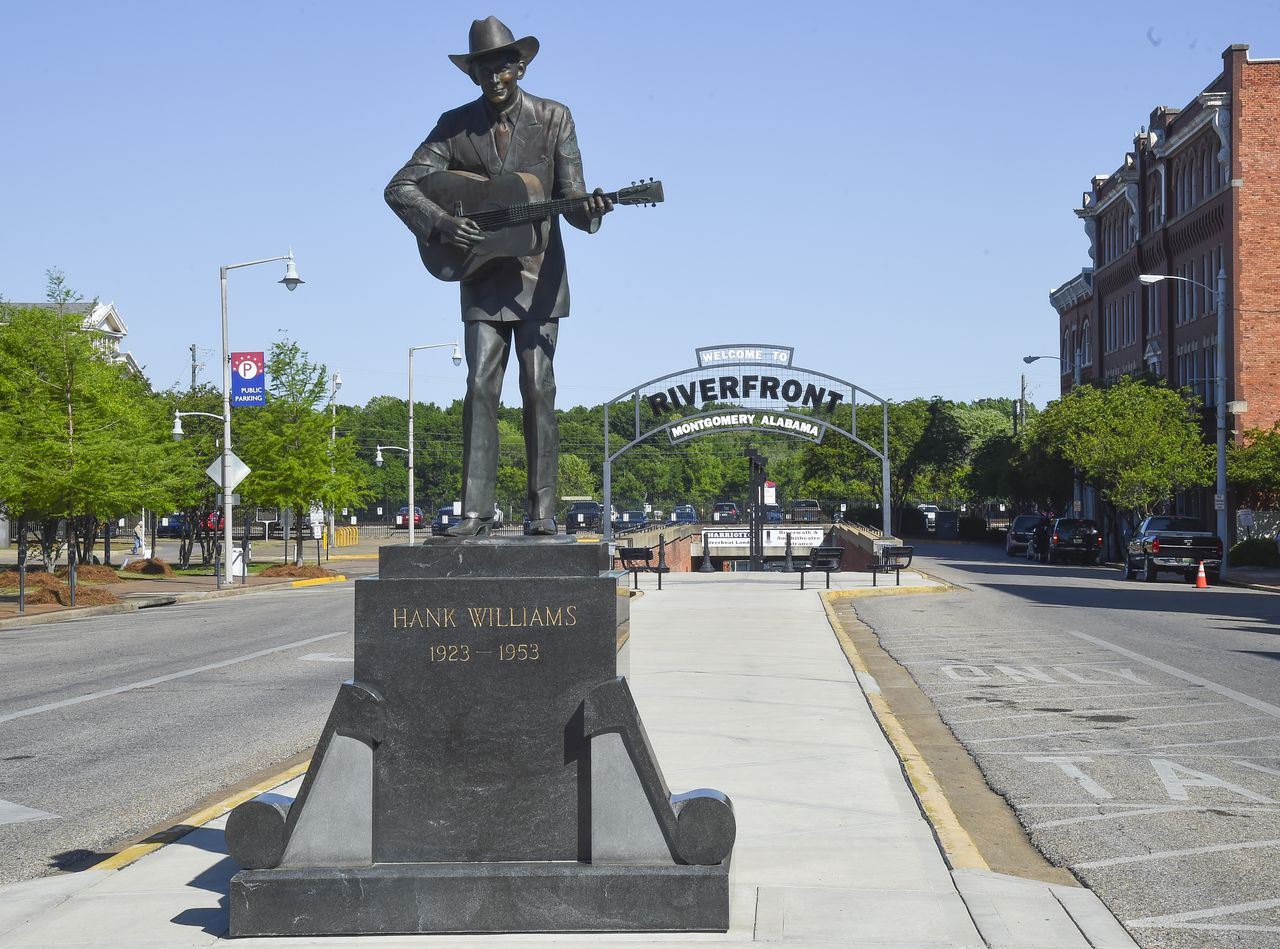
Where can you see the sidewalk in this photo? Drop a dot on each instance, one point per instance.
(744, 687)
(359, 560)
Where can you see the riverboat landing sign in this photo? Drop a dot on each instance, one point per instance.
(748, 387)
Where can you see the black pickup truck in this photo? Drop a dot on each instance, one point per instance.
(1172, 544)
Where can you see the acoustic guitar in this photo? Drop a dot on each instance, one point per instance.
(511, 210)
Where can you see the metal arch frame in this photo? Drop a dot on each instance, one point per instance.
(634, 394)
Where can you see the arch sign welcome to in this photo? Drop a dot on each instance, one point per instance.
(747, 387)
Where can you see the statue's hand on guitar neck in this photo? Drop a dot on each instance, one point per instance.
(597, 204)
(459, 231)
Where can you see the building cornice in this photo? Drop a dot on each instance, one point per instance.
(1215, 111)
(1076, 290)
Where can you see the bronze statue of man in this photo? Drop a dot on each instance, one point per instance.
(513, 302)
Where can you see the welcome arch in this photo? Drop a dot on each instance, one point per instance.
(763, 388)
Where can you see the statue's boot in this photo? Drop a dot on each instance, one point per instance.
(542, 526)
(471, 527)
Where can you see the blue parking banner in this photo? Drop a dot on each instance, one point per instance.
(248, 379)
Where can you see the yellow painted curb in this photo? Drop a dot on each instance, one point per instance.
(957, 845)
(354, 557)
(201, 817)
(316, 581)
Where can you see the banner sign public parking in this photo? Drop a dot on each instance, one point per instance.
(248, 379)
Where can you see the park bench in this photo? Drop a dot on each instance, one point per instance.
(891, 559)
(639, 560)
(825, 559)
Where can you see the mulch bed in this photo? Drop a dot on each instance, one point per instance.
(91, 573)
(46, 588)
(297, 573)
(153, 566)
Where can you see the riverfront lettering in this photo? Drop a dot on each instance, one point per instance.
(482, 617)
(745, 387)
(745, 420)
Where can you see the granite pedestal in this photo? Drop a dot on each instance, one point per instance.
(486, 770)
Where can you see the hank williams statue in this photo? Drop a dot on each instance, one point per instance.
(516, 302)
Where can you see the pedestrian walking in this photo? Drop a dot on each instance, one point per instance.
(139, 537)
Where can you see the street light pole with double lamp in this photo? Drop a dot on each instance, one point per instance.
(291, 280)
(1220, 394)
(457, 361)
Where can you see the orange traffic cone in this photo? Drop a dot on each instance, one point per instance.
(1201, 580)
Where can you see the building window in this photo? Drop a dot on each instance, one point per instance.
(1086, 345)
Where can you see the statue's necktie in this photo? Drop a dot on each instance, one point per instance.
(502, 136)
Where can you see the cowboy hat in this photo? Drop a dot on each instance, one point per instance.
(491, 35)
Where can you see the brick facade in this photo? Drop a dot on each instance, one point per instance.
(1199, 192)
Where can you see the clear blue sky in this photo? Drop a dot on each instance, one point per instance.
(887, 188)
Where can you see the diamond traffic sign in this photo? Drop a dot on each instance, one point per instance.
(237, 471)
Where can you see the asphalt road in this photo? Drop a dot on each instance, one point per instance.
(1133, 727)
(113, 725)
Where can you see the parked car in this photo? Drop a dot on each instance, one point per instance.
(725, 512)
(443, 519)
(806, 511)
(583, 516)
(930, 512)
(772, 514)
(402, 518)
(684, 514)
(633, 520)
(1172, 544)
(170, 525)
(1073, 538)
(1015, 542)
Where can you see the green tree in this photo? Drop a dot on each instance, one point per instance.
(1138, 442)
(81, 438)
(287, 443)
(1254, 468)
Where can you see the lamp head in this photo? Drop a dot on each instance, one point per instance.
(377, 459)
(337, 379)
(177, 427)
(1147, 279)
(1029, 359)
(457, 355)
(291, 278)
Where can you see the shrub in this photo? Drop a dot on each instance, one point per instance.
(1258, 552)
(973, 528)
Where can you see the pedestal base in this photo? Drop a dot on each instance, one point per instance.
(480, 898)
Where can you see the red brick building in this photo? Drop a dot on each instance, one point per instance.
(1199, 192)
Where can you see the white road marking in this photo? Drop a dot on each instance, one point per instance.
(326, 657)
(11, 813)
(1176, 786)
(1195, 914)
(1078, 731)
(1166, 854)
(1164, 809)
(1258, 767)
(1091, 711)
(37, 709)
(1068, 766)
(1174, 671)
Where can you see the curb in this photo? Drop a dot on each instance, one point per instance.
(317, 581)
(150, 600)
(128, 855)
(957, 846)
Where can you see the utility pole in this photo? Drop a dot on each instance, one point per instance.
(1020, 414)
(193, 367)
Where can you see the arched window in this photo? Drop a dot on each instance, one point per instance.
(1207, 162)
(1066, 350)
(1086, 346)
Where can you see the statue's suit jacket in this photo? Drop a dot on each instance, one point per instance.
(543, 144)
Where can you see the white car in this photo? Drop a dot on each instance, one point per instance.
(930, 512)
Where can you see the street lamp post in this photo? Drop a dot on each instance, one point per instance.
(457, 361)
(1077, 493)
(1220, 393)
(291, 281)
(377, 460)
(177, 437)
